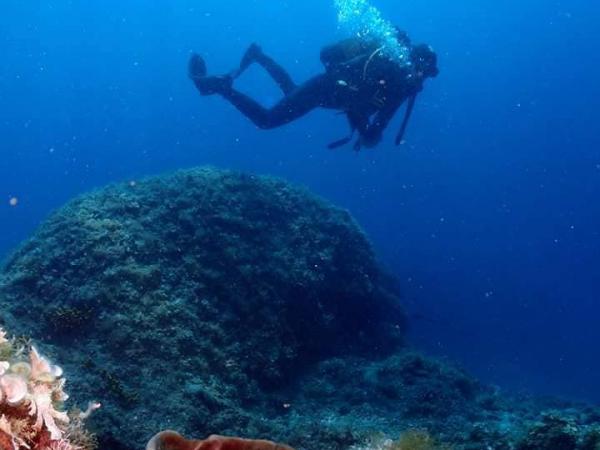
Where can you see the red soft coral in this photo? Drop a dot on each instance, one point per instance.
(6, 441)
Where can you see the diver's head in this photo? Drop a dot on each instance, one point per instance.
(424, 60)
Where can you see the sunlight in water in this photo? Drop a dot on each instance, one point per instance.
(359, 18)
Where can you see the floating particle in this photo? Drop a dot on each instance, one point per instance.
(14, 201)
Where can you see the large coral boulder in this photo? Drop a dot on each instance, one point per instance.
(178, 301)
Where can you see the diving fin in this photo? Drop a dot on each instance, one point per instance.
(409, 109)
(196, 67)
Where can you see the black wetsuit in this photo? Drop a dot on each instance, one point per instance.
(368, 87)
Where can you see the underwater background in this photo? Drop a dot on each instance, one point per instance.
(488, 214)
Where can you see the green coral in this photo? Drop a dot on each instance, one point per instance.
(409, 440)
(115, 387)
(416, 440)
(68, 319)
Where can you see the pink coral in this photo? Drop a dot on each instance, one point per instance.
(41, 368)
(14, 388)
(61, 445)
(31, 393)
(4, 365)
(41, 408)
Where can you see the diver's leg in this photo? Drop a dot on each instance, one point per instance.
(248, 58)
(299, 102)
(278, 73)
(205, 84)
(254, 54)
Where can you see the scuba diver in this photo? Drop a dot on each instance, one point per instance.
(360, 80)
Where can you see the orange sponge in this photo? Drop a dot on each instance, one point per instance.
(170, 440)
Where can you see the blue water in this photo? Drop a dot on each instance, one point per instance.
(489, 213)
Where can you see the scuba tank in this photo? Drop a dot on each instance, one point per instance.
(346, 52)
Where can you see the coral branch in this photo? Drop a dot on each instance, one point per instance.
(31, 395)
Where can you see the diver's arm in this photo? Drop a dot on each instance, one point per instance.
(371, 135)
(360, 123)
(357, 121)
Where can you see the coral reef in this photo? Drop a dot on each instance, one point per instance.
(358, 404)
(553, 432)
(210, 301)
(203, 288)
(31, 399)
